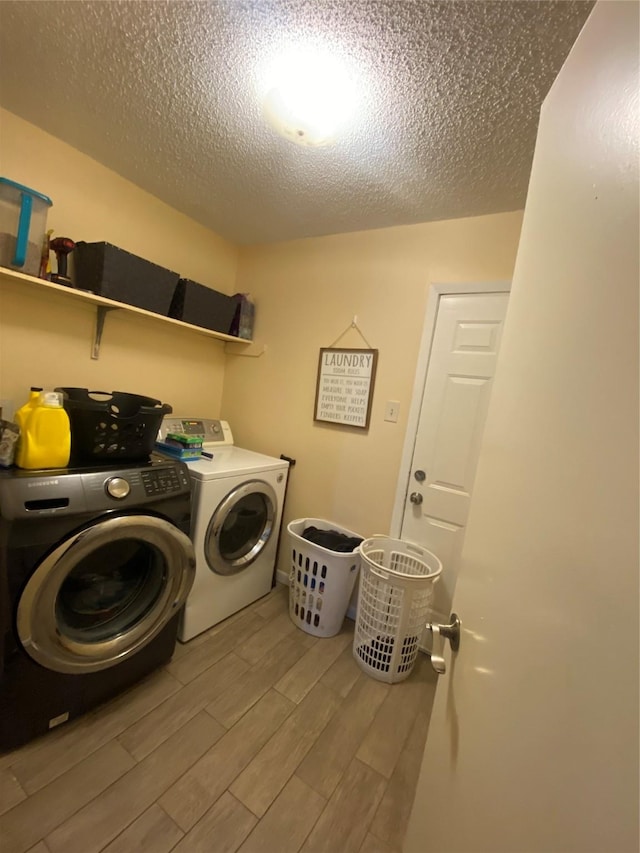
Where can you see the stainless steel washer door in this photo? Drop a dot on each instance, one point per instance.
(240, 527)
(104, 593)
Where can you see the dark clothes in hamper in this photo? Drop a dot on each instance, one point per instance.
(331, 539)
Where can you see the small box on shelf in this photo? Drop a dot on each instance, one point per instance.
(242, 323)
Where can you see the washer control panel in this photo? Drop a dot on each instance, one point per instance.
(68, 491)
(161, 481)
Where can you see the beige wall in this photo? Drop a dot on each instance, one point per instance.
(306, 295)
(46, 339)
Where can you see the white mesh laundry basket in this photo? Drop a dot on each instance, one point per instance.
(320, 581)
(396, 590)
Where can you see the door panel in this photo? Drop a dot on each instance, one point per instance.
(454, 406)
(533, 740)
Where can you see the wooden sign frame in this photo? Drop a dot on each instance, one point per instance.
(344, 386)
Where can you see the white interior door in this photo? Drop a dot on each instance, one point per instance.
(533, 740)
(458, 384)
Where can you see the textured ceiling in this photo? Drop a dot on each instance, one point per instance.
(169, 95)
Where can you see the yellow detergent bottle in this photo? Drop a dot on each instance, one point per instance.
(22, 415)
(45, 433)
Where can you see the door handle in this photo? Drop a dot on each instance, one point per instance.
(415, 498)
(449, 632)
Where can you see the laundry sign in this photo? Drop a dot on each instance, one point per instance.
(344, 390)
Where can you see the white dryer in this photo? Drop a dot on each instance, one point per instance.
(236, 512)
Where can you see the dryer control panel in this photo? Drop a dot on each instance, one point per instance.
(213, 432)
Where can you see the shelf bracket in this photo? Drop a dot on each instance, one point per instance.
(101, 313)
(247, 349)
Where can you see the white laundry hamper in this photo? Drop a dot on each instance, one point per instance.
(394, 602)
(320, 581)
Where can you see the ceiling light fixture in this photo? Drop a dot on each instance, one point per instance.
(310, 96)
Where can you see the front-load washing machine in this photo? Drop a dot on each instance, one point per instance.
(95, 565)
(238, 497)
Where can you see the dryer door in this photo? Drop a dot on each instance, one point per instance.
(240, 527)
(104, 593)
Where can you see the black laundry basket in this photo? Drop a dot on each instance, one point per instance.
(111, 426)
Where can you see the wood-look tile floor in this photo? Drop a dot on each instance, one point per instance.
(256, 737)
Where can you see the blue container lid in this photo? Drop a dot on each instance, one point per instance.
(24, 189)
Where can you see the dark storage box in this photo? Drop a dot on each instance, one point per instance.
(194, 303)
(116, 274)
(112, 426)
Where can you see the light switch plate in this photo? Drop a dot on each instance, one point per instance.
(391, 411)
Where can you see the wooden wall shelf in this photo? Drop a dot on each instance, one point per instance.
(103, 306)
